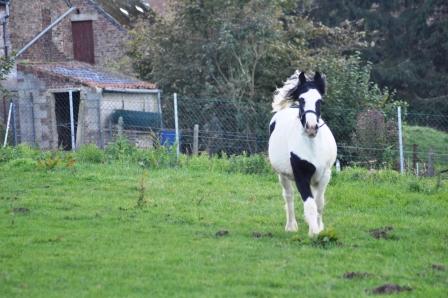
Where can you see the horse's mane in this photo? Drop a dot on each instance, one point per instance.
(282, 96)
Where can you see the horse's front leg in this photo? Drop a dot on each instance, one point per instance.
(288, 195)
(320, 198)
(303, 171)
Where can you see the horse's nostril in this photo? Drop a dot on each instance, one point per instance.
(316, 127)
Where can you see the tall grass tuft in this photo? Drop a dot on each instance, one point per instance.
(90, 153)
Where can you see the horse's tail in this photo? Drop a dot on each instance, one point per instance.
(282, 95)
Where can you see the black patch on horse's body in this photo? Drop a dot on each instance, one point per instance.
(303, 171)
(271, 128)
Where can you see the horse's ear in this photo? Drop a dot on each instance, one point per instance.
(320, 82)
(302, 78)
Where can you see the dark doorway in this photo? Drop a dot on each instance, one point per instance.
(62, 110)
(83, 44)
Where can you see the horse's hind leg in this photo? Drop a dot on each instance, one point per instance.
(288, 195)
(320, 198)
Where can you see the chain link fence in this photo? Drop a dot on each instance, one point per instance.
(368, 138)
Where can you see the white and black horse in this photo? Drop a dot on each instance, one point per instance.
(302, 148)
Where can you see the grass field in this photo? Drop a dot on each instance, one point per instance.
(115, 230)
(427, 139)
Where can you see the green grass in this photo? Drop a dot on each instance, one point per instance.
(427, 138)
(83, 231)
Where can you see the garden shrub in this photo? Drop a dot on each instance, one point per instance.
(373, 133)
(24, 164)
(90, 153)
(121, 150)
(249, 164)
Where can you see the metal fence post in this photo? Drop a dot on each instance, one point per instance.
(400, 140)
(159, 106)
(14, 124)
(72, 119)
(7, 125)
(100, 125)
(176, 125)
(33, 118)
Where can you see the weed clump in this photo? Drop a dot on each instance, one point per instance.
(141, 202)
(90, 153)
(326, 238)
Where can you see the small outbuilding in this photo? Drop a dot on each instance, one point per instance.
(73, 103)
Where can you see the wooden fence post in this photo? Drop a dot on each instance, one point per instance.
(120, 126)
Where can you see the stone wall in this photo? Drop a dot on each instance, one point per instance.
(2, 39)
(28, 18)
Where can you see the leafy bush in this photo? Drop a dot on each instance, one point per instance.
(121, 150)
(372, 134)
(90, 153)
(249, 164)
(21, 151)
(158, 157)
(7, 153)
(24, 164)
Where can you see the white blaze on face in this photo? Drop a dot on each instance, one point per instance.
(311, 97)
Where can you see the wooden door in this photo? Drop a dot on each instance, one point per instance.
(83, 45)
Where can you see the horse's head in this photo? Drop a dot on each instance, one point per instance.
(309, 96)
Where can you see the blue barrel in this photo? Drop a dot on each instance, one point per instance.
(168, 137)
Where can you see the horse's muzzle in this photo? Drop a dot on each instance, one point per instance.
(311, 130)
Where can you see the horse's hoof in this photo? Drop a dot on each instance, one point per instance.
(313, 231)
(291, 227)
(321, 227)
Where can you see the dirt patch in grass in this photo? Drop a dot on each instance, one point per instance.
(438, 267)
(222, 233)
(355, 275)
(382, 233)
(21, 210)
(259, 235)
(387, 289)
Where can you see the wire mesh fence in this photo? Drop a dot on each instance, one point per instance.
(366, 138)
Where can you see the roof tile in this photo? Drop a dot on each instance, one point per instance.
(87, 75)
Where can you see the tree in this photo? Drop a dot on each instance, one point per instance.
(210, 48)
(6, 64)
(243, 49)
(408, 45)
(234, 49)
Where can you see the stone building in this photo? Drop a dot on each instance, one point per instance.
(65, 89)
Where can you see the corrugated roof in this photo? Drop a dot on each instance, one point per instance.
(86, 74)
